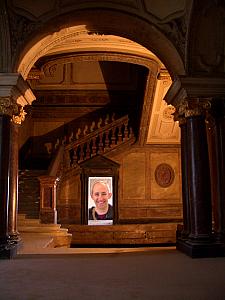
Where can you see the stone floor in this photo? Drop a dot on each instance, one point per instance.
(149, 273)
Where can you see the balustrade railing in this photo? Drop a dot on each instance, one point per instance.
(100, 141)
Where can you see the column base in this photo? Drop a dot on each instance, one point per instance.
(196, 249)
(8, 250)
(15, 237)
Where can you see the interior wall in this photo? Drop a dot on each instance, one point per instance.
(143, 194)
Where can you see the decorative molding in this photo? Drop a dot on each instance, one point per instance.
(109, 23)
(20, 117)
(12, 84)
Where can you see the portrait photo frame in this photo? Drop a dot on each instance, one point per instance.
(106, 181)
(99, 168)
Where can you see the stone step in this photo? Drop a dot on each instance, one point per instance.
(41, 228)
(49, 235)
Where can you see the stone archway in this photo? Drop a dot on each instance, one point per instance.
(103, 23)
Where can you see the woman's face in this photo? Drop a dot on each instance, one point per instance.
(100, 195)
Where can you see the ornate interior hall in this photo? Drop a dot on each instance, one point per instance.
(126, 92)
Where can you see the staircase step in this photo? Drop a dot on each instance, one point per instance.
(37, 236)
(42, 228)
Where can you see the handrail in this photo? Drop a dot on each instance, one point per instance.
(100, 141)
(56, 162)
(97, 132)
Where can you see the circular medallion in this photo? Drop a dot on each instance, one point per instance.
(164, 175)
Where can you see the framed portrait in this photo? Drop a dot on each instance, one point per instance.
(100, 200)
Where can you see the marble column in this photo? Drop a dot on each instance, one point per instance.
(199, 180)
(216, 133)
(199, 242)
(194, 98)
(13, 184)
(15, 93)
(7, 247)
(185, 184)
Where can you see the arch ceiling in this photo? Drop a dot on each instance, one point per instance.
(46, 66)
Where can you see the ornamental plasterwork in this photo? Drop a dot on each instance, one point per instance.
(162, 128)
(53, 72)
(20, 117)
(8, 106)
(193, 107)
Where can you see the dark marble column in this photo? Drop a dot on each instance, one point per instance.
(13, 183)
(199, 180)
(7, 248)
(185, 184)
(199, 242)
(216, 133)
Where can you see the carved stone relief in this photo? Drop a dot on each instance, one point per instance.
(164, 175)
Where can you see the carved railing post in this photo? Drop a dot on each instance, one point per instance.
(48, 212)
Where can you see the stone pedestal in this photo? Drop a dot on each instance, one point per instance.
(48, 213)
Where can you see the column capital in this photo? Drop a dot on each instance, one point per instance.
(190, 108)
(187, 87)
(8, 106)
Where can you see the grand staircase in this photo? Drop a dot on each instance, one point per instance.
(36, 237)
(101, 136)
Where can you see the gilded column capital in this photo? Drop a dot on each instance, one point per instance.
(179, 118)
(8, 106)
(193, 107)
